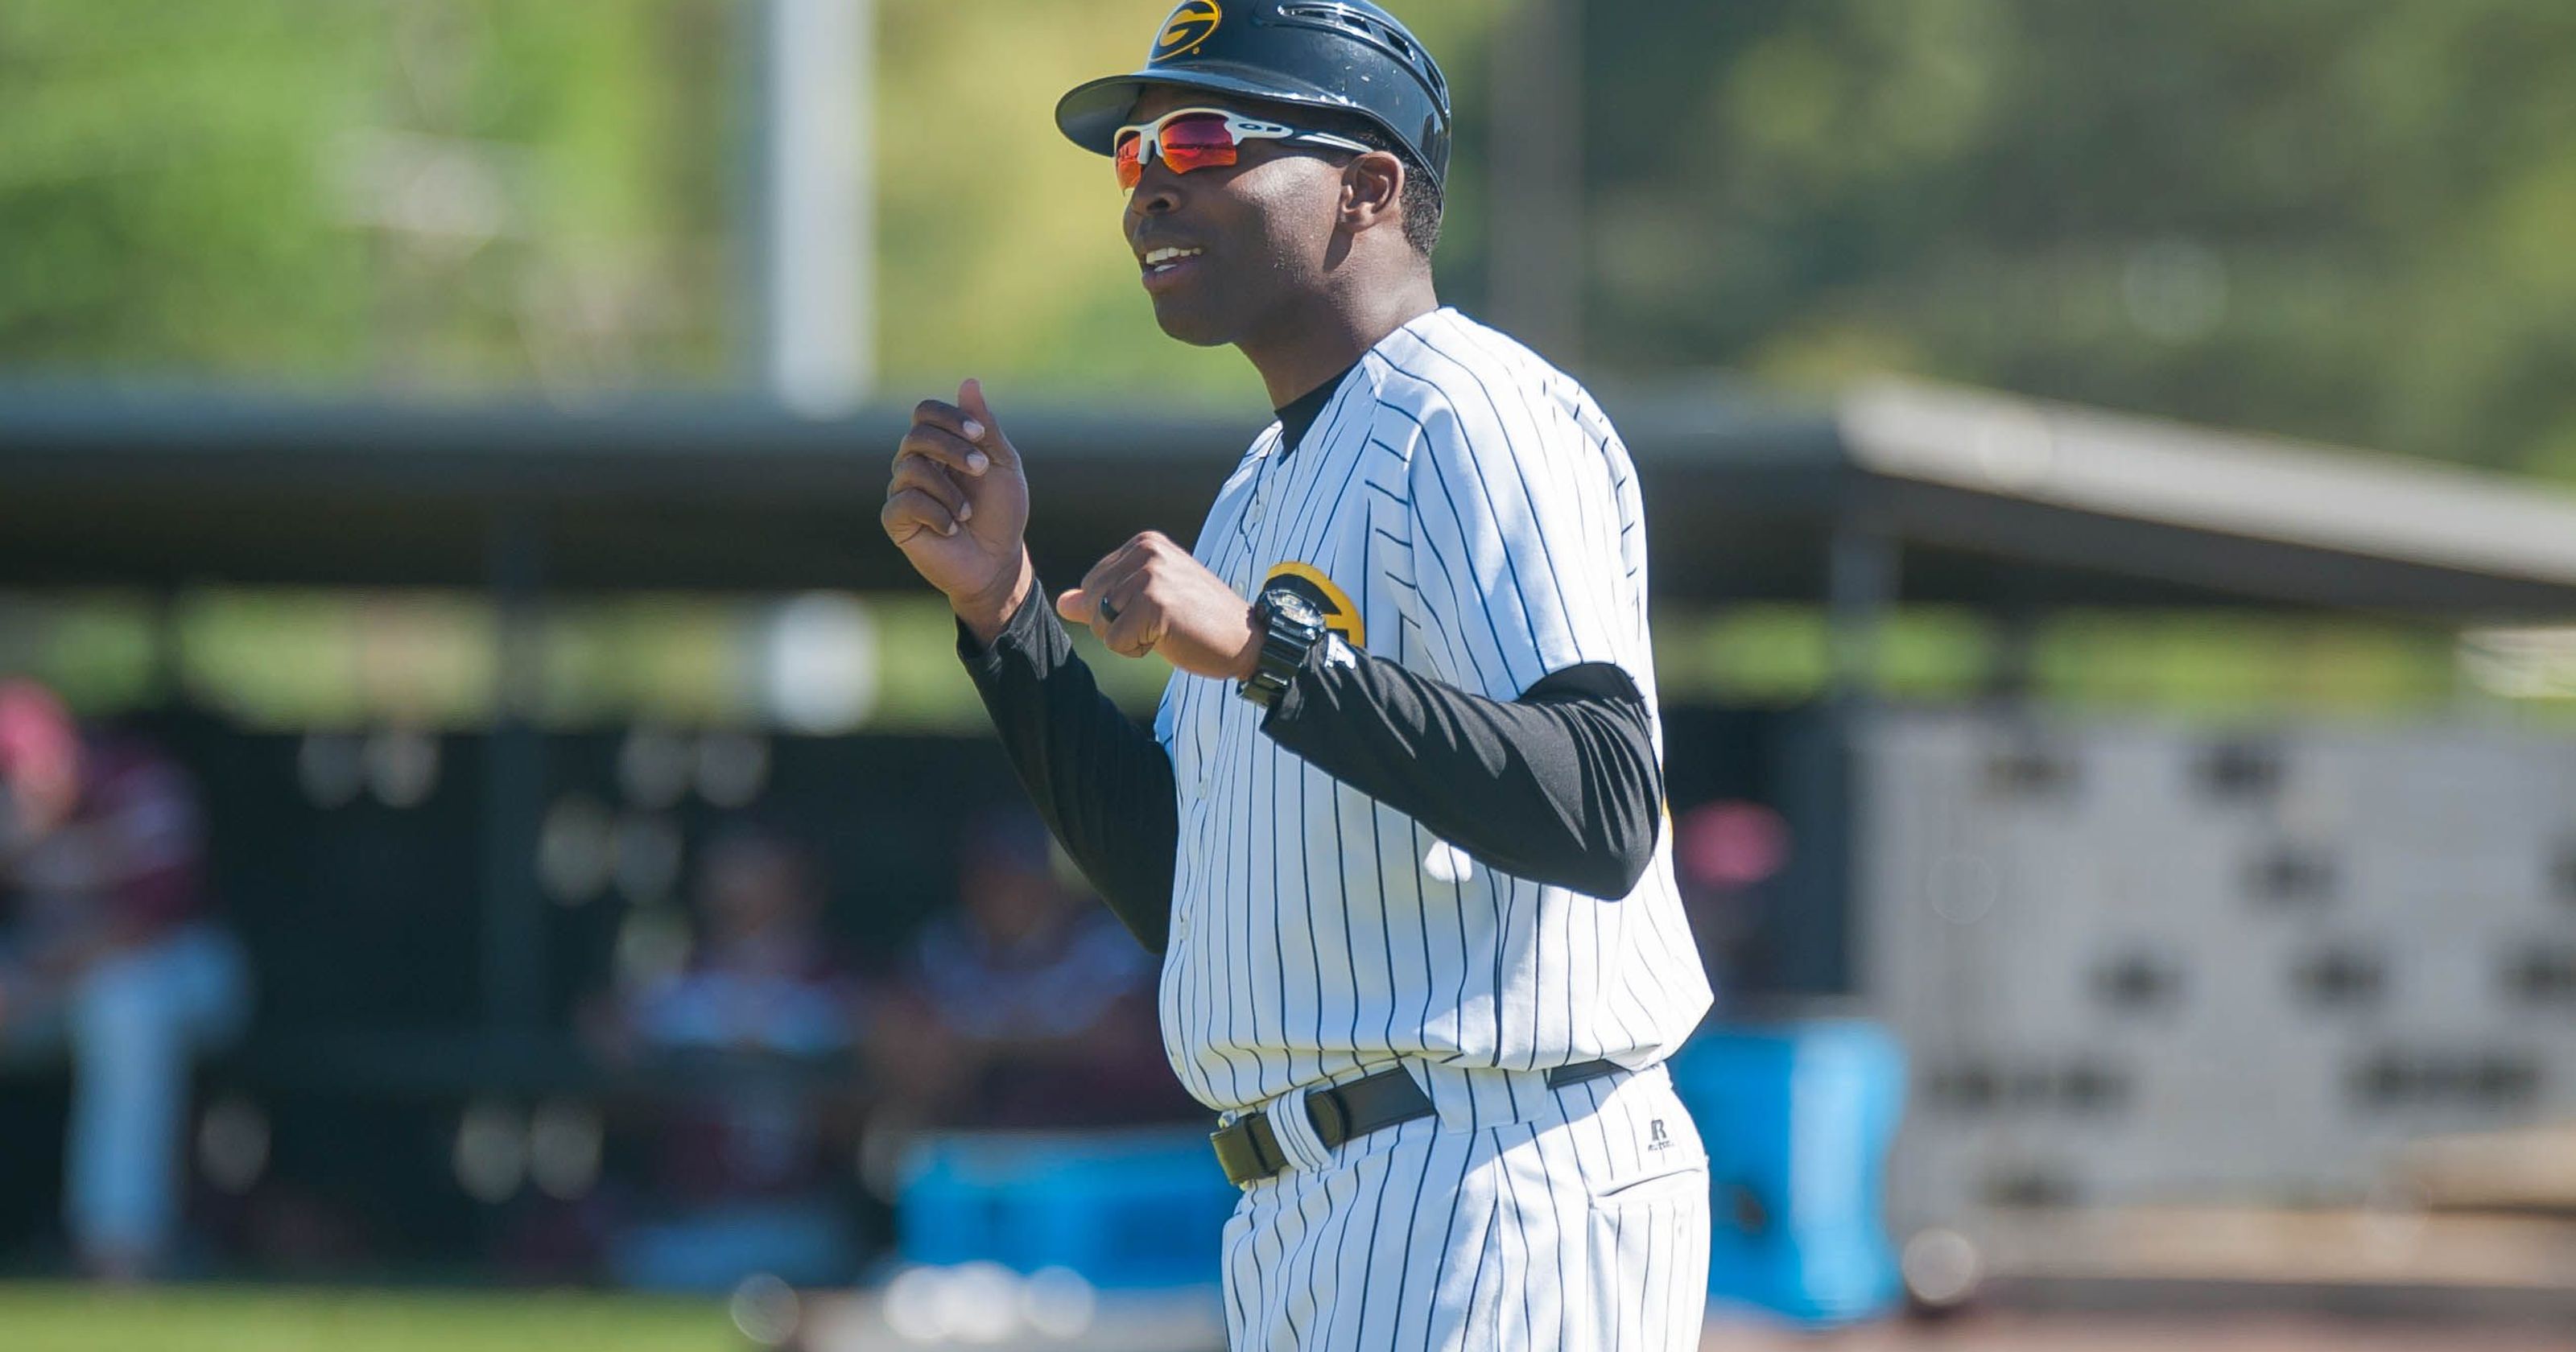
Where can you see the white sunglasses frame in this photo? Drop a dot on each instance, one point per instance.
(1149, 135)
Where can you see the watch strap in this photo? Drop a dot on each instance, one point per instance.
(1286, 638)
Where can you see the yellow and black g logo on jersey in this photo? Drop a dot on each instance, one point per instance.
(1308, 581)
(1187, 28)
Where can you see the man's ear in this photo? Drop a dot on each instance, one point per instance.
(1372, 191)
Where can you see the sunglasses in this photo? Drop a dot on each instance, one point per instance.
(1205, 138)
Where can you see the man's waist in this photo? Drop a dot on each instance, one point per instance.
(1229, 1076)
(1262, 1142)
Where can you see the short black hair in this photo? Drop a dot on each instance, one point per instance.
(1421, 190)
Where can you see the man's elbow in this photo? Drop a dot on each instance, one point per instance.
(1630, 867)
(1627, 812)
(1630, 826)
(1613, 866)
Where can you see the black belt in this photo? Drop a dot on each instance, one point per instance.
(1248, 1147)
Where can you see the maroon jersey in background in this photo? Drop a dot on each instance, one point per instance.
(125, 864)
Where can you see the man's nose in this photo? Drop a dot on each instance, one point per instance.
(1158, 192)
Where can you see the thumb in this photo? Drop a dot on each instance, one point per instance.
(970, 398)
(1076, 606)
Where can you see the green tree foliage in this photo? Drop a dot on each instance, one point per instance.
(2327, 218)
(2346, 219)
(401, 192)
(156, 172)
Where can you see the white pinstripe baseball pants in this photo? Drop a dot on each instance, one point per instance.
(1577, 1222)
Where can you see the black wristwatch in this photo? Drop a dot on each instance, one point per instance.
(1290, 626)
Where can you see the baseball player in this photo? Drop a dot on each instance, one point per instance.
(1397, 828)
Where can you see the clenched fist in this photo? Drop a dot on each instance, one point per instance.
(957, 506)
(1150, 595)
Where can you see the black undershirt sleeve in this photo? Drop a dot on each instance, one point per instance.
(1103, 783)
(1560, 786)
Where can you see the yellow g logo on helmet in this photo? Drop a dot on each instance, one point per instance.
(1308, 581)
(1187, 28)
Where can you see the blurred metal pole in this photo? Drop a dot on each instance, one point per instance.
(514, 782)
(1864, 578)
(817, 220)
(1535, 171)
(1863, 573)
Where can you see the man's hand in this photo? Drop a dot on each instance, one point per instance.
(957, 505)
(1150, 595)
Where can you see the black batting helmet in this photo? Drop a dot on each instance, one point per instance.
(1345, 55)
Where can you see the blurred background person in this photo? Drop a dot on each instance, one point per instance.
(109, 956)
(760, 1026)
(1729, 856)
(1028, 1005)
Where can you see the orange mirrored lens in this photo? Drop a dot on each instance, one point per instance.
(1183, 159)
(1197, 143)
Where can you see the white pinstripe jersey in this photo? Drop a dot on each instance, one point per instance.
(1467, 511)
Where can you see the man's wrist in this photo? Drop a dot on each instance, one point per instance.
(1248, 661)
(987, 616)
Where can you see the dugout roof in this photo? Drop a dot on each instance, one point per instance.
(1990, 500)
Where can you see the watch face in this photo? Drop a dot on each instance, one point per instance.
(1296, 608)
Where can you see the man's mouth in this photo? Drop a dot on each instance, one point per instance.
(1163, 260)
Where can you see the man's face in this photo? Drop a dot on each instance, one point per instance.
(40, 761)
(1265, 227)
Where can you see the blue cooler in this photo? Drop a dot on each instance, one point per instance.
(1798, 1119)
(1125, 1209)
